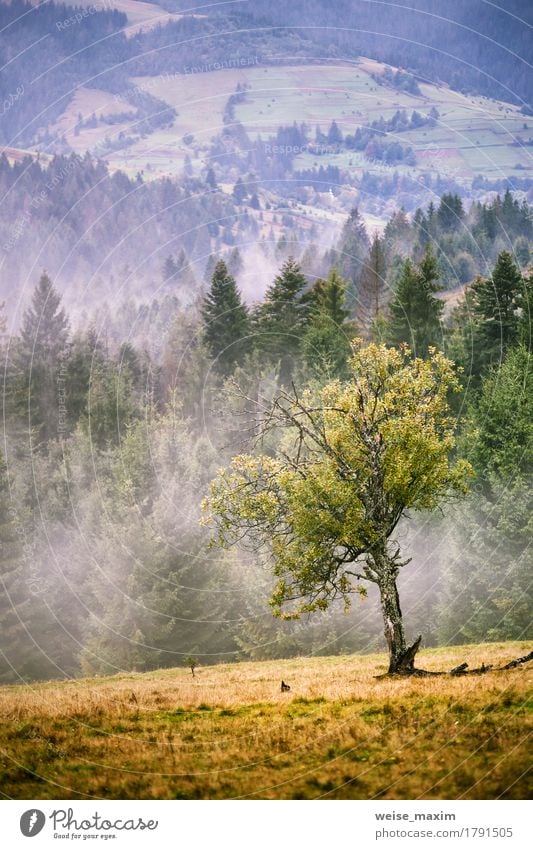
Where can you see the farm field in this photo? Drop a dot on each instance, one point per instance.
(230, 733)
(473, 136)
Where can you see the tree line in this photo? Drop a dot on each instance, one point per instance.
(110, 446)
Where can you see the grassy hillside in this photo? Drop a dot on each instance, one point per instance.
(474, 136)
(229, 732)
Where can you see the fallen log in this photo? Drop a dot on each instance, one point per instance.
(519, 660)
(406, 666)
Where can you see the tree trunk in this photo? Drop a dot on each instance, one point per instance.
(392, 619)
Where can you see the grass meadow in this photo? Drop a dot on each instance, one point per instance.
(228, 732)
(473, 136)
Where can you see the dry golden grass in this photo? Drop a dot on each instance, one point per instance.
(230, 733)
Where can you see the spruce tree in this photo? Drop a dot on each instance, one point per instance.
(326, 342)
(373, 286)
(329, 298)
(414, 312)
(450, 212)
(487, 585)
(40, 360)
(225, 320)
(282, 317)
(496, 306)
(353, 247)
(169, 269)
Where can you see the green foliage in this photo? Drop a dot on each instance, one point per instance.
(450, 212)
(487, 586)
(352, 248)
(225, 319)
(325, 344)
(373, 285)
(415, 312)
(280, 320)
(352, 461)
(496, 303)
(499, 437)
(39, 362)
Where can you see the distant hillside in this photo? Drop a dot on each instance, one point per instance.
(45, 55)
(473, 46)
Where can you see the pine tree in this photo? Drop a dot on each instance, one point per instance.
(239, 191)
(326, 341)
(225, 320)
(169, 269)
(487, 586)
(352, 248)
(496, 304)
(329, 298)
(414, 312)
(211, 179)
(525, 322)
(334, 134)
(84, 349)
(450, 212)
(373, 286)
(281, 318)
(40, 360)
(499, 438)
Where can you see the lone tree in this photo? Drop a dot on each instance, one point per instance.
(351, 461)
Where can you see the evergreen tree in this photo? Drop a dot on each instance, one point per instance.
(499, 438)
(84, 349)
(352, 248)
(239, 191)
(525, 322)
(211, 179)
(334, 134)
(12, 589)
(40, 361)
(225, 320)
(281, 318)
(373, 286)
(326, 341)
(496, 304)
(113, 399)
(450, 212)
(169, 269)
(488, 583)
(414, 311)
(152, 604)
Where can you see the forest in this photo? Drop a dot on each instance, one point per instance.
(117, 419)
(78, 219)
